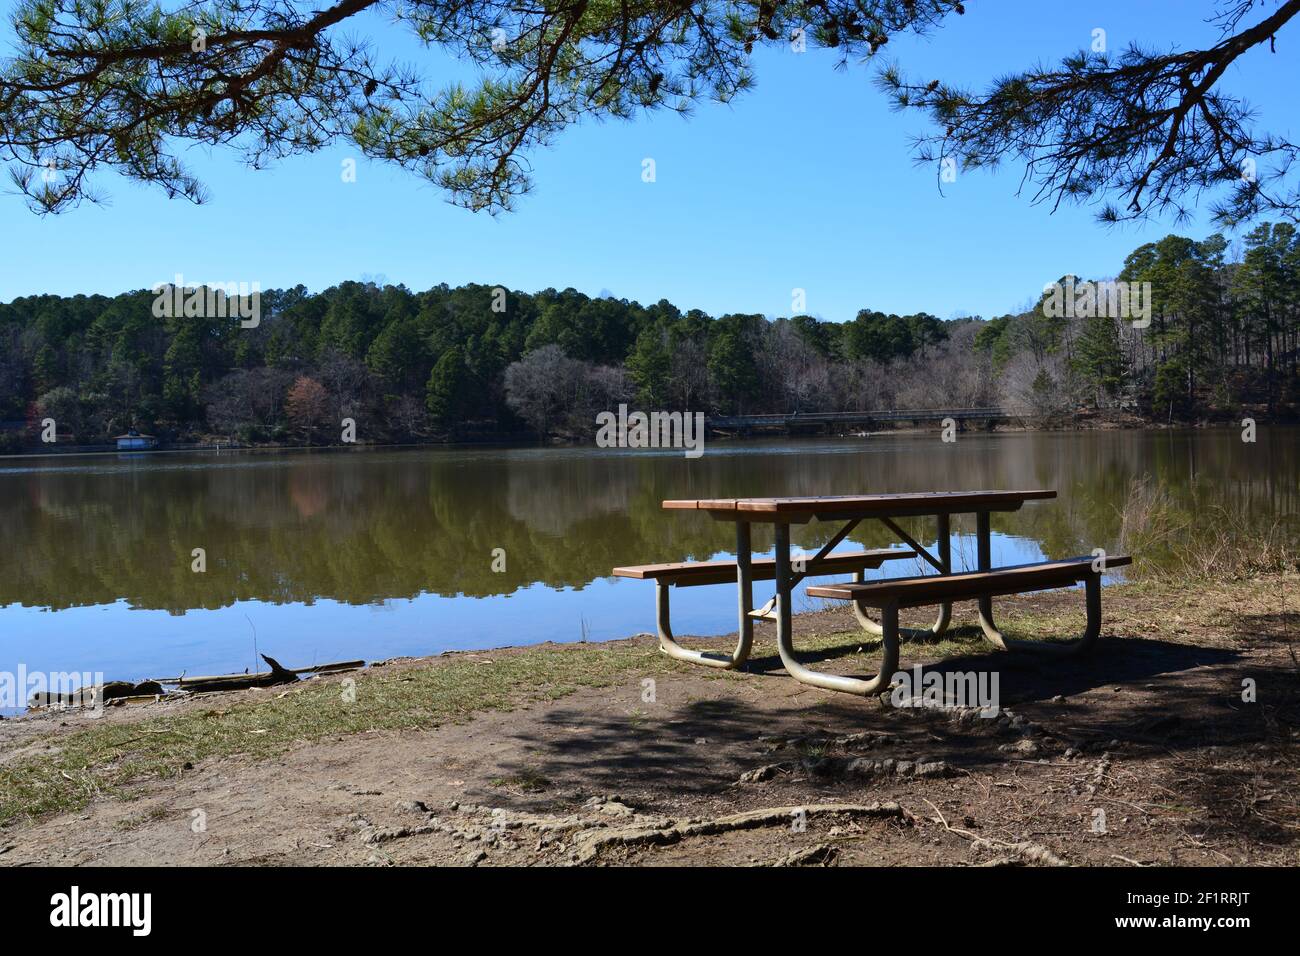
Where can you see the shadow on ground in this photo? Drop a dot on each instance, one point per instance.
(1153, 697)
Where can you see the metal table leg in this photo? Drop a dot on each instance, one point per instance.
(984, 553)
(785, 643)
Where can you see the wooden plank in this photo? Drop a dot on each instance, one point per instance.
(764, 569)
(892, 505)
(934, 588)
(886, 503)
(704, 504)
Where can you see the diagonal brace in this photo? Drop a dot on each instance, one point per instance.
(911, 543)
(827, 548)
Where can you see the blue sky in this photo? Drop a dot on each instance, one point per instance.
(806, 182)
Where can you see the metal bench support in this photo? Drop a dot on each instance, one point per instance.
(944, 564)
(745, 636)
(1092, 592)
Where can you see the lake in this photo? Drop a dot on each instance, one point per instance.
(314, 556)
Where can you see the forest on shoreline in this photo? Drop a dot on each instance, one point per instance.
(479, 360)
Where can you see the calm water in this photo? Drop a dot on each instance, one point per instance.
(332, 555)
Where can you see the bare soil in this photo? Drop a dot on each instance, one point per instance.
(1142, 753)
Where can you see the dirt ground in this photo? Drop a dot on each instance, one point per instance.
(1142, 753)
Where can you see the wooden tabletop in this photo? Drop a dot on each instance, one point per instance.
(882, 506)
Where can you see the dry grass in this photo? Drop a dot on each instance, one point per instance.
(1188, 542)
(103, 759)
(106, 759)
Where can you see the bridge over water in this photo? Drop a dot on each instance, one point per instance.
(799, 420)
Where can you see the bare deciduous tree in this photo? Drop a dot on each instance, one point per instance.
(247, 399)
(557, 394)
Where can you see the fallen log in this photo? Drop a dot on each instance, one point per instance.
(93, 695)
(276, 675)
(314, 669)
(330, 668)
(146, 690)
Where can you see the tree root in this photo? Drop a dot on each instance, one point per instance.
(1032, 853)
(823, 854)
(590, 843)
(586, 837)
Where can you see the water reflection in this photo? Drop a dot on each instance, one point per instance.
(361, 528)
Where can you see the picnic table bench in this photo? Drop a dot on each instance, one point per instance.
(692, 574)
(887, 596)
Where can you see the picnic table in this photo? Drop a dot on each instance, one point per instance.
(887, 595)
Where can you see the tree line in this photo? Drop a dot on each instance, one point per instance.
(482, 360)
(1224, 333)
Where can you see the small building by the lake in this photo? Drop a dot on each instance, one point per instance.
(134, 441)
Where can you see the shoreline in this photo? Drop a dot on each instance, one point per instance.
(548, 729)
(519, 441)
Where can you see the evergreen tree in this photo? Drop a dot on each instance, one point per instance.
(1099, 359)
(398, 356)
(97, 86)
(732, 369)
(443, 395)
(650, 366)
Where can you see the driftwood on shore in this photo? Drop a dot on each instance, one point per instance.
(94, 695)
(276, 675)
(236, 681)
(129, 692)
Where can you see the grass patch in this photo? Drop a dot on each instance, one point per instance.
(526, 781)
(104, 758)
(132, 823)
(960, 640)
